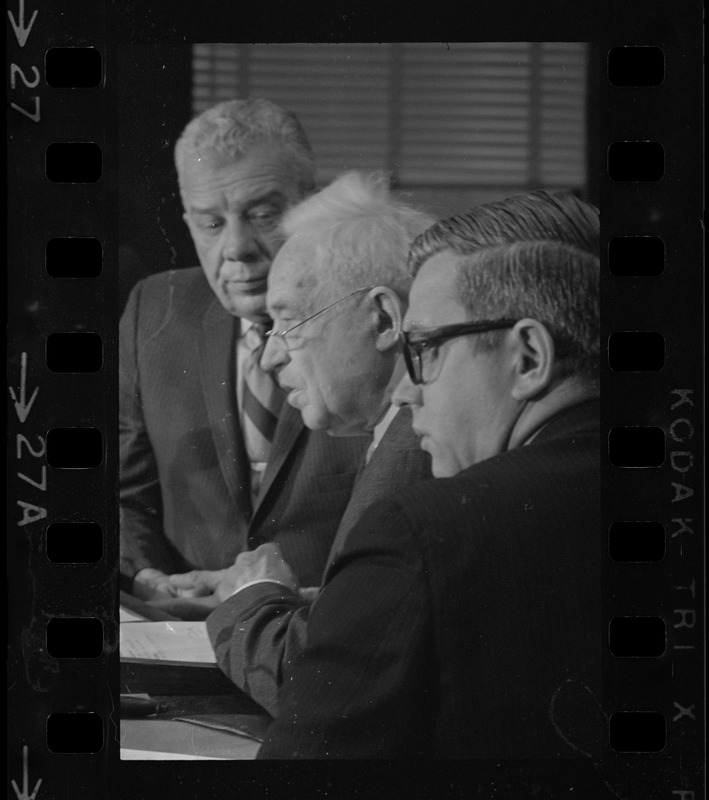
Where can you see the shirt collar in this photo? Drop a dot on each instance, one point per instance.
(381, 428)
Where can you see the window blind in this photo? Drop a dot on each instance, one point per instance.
(431, 114)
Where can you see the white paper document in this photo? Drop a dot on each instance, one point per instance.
(167, 641)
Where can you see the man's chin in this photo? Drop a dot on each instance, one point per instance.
(339, 429)
(442, 469)
(252, 308)
(312, 421)
(292, 400)
(346, 434)
(320, 420)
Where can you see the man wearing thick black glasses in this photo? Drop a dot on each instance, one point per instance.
(461, 619)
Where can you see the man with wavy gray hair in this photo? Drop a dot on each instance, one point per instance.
(337, 292)
(461, 618)
(212, 461)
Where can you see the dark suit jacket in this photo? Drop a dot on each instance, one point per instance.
(462, 619)
(258, 632)
(184, 484)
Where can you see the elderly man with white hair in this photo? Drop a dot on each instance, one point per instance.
(337, 293)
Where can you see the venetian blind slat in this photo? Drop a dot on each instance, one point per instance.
(460, 152)
(339, 93)
(464, 113)
(563, 114)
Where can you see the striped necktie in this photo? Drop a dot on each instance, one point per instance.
(262, 398)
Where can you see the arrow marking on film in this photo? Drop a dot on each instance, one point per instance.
(21, 407)
(19, 26)
(24, 794)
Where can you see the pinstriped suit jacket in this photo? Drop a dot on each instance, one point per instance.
(258, 632)
(184, 483)
(463, 618)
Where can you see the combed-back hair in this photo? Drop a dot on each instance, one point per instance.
(553, 282)
(360, 234)
(233, 127)
(536, 216)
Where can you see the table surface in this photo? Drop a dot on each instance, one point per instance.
(195, 727)
(169, 739)
(162, 736)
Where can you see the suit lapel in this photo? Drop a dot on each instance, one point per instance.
(290, 425)
(374, 478)
(217, 349)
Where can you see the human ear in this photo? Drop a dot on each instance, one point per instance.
(533, 351)
(388, 316)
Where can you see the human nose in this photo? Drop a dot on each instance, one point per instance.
(241, 244)
(274, 354)
(407, 393)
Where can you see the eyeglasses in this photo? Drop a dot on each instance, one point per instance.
(283, 334)
(418, 346)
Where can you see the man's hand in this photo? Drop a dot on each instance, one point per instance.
(152, 584)
(188, 595)
(189, 608)
(197, 583)
(265, 563)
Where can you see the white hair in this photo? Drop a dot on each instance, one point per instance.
(360, 233)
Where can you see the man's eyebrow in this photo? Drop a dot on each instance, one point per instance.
(206, 210)
(274, 196)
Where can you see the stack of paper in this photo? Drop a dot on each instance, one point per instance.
(175, 641)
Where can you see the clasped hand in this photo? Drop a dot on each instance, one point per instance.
(195, 594)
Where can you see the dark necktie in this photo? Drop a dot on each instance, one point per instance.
(262, 398)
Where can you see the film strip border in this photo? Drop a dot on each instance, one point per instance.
(62, 458)
(63, 521)
(651, 396)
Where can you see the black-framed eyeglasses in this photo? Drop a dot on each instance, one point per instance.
(418, 346)
(283, 334)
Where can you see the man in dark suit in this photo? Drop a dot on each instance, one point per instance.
(337, 293)
(460, 620)
(212, 462)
